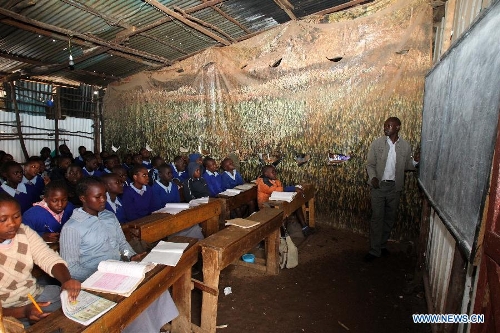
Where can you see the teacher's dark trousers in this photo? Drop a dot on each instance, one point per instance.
(385, 202)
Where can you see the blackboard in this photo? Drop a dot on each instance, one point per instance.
(459, 128)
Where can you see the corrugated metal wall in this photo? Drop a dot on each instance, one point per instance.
(74, 132)
(440, 252)
(459, 15)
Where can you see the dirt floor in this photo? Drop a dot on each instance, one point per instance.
(332, 290)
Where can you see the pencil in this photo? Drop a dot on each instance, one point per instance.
(35, 303)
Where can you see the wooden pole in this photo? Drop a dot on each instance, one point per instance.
(18, 121)
(57, 114)
(98, 124)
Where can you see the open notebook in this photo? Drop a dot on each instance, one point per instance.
(117, 277)
(87, 307)
(173, 208)
(230, 192)
(166, 253)
(282, 196)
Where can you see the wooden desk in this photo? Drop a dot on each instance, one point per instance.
(157, 226)
(232, 202)
(224, 247)
(305, 201)
(157, 281)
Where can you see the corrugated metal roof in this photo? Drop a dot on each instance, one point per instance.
(116, 38)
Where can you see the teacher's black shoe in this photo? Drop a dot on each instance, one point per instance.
(385, 252)
(369, 257)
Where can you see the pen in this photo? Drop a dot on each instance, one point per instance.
(35, 303)
(47, 226)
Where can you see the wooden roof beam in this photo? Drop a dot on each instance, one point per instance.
(76, 41)
(230, 18)
(161, 41)
(22, 59)
(45, 68)
(131, 31)
(203, 23)
(135, 59)
(88, 38)
(341, 7)
(204, 5)
(287, 8)
(187, 22)
(42, 32)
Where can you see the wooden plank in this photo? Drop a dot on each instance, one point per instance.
(157, 226)
(448, 25)
(187, 22)
(299, 201)
(157, 281)
(226, 246)
(238, 200)
(211, 277)
(232, 242)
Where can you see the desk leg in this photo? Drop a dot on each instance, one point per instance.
(272, 252)
(311, 213)
(181, 294)
(210, 278)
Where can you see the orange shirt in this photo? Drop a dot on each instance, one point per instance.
(264, 191)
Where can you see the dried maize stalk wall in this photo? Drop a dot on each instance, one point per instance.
(284, 91)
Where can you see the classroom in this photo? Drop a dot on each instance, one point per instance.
(289, 92)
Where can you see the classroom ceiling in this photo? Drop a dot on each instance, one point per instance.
(110, 40)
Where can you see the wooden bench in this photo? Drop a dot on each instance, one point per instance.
(228, 245)
(157, 226)
(305, 201)
(157, 281)
(232, 202)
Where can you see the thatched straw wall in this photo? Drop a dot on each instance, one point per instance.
(232, 98)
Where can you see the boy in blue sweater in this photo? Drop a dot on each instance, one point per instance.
(212, 177)
(164, 190)
(32, 177)
(12, 172)
(230, 177)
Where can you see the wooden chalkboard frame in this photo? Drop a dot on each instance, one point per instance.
(459, 128)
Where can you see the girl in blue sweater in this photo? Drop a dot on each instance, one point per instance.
(49, 215)
(137, 198)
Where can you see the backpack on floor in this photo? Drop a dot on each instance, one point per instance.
(289, 254)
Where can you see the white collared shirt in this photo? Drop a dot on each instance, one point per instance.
(233, 177)
(139, 191)
(21, 188)
(26, 180)
(111, 203)
(179, 173)
(91, 173)
(166, 188)
(390, 165)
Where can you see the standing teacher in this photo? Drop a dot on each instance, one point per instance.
(388, 158)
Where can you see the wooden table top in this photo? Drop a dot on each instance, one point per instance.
(157, 281)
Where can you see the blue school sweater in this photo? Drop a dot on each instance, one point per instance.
(183, 176)
(38, 186)
(214, 182)
(25, 200)
(97, 173)
(120, 211)
(41, 220)
(229, 182)
(136, 205)
(163, 195)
